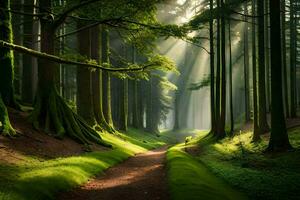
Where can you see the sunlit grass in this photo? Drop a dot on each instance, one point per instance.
(190, 179)
(35, 179)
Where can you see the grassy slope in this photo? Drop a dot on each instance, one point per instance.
(190, 179)
(261, 176)
(42, 179)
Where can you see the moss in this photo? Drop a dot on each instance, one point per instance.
(190, 179)
(244, 165)
(5, 126)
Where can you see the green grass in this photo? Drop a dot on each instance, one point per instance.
(243, 165)
(190, 179)
(43, 179)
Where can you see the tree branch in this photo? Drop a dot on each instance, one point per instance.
(65, 14)
(57, 59)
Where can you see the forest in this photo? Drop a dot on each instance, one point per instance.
(149, 99)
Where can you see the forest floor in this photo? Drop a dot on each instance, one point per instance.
(245, 166)
(140, 177)
(37, 166)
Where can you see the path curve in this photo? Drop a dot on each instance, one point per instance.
(142, 177)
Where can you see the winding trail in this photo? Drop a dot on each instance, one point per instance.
(142, 177)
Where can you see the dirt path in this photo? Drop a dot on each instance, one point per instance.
(142, 177)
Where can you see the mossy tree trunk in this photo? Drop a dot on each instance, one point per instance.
(6, 70)
(51, 113)
(107, 111)
(279, 140)
(97, 89)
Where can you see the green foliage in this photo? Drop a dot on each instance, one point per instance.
(242, 164)
(36, 178)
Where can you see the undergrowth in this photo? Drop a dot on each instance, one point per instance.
(244, 165)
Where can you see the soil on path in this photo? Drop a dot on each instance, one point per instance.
(142, 177)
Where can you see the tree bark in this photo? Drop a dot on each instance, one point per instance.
(284, 65)
(51, 113)
(293, 58)
(279, 140)
(84, 79)
(106, 79)
(212, 69)
(262, 115)
(222, 132)
(6, 70)
(256, 135)
(230, 81)
(246, 66)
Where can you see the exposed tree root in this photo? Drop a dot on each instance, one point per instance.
(5, 127)
(52, 114)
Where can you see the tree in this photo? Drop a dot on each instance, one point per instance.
(246, 65)
(222, 132)
(106, 78)
(284, 65)
(97, 84)
(28, 67)
(293, 46)
(256, 133)
(6, 70)
(84, 79)
(212, 67)
(230, 81)
(279, 140)
(262, 110)
(51, 113)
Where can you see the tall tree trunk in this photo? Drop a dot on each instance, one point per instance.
(267, 55)
(256, 135)
(293, 35)
(28, 68)
(135, 107)
(284, 66)
(17, 30)
(6, 70)
(262, 115)
(106, 78)
(279, 140)
(218, 75)
(230, 81)
(212, 68)
(84, 79)
(222, 132)
(246, 66)
(97, 81)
